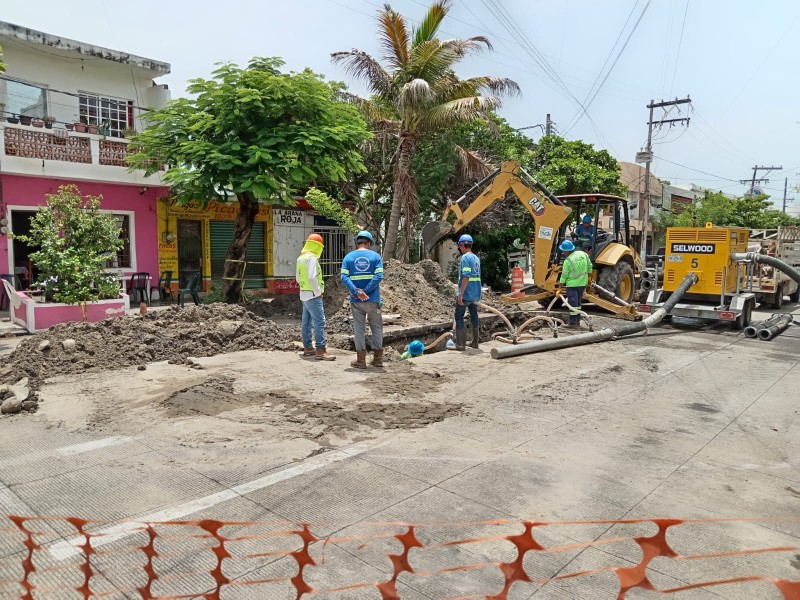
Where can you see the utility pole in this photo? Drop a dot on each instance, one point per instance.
(785, 189)
(756, 179)
(548, 125)
(647, 158)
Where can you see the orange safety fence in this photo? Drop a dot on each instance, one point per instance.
(45, 556)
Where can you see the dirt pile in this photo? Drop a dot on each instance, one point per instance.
(173, 335)
(419, 293)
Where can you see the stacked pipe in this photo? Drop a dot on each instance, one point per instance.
(648, 279)
(751, 331)
(773, 327)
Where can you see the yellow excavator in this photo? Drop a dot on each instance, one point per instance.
(611, 285)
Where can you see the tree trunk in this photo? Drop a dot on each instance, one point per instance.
(234, 268)
(404, 202)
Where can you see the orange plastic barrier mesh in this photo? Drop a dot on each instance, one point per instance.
(245, 559)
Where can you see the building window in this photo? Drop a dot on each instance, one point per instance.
(25, 99)
(122, 260)
(105, 112)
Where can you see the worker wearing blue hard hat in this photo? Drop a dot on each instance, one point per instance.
(574, 276)
(584, 233)
(468, 295)
(362, 273)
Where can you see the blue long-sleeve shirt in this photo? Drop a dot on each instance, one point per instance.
(363, 270)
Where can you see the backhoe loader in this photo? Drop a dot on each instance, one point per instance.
(611, 285)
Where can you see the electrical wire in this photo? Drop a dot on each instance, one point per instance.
(678, 52)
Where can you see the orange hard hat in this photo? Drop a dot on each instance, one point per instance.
(315, 237)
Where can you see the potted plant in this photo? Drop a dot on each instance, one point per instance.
(80, 124)
(36, 122)
(128, 132)
(48, 121)
(73, 238)
(69, 126)
(25, 119)
(105, 128)
(92, 127)
(12, 119)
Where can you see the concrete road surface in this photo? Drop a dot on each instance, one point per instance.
(684, 423)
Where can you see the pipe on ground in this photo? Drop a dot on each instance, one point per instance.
(777, 328)
(602, 335)
(751, 331)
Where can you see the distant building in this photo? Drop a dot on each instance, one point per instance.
(66, 108)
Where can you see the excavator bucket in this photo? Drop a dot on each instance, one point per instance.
(434, 232)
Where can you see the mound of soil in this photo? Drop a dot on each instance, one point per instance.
(173, 335)
(419, 292)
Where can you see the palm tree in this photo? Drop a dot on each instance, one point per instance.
(418, 93)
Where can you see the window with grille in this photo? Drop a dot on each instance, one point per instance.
(115, 114)
(122, 260)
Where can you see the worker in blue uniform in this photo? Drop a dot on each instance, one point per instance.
(362, 273)
(469, 293)
(584, 233)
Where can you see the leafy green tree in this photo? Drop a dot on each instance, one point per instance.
(75, 242)
(258, 135)
(753, 212)
(332, 209)
(415, 93)
(575, 167)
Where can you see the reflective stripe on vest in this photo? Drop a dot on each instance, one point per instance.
(302, 272)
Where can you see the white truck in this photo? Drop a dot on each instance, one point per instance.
(769, 285)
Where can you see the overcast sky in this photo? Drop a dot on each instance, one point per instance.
(737, 59)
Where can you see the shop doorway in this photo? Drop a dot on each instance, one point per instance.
(190, 250)
(23, 267)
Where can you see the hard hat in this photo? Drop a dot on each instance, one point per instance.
(315, 237)
(587, 219)
(365, 235)
(465, 239)
(416, 347)
(566, 246)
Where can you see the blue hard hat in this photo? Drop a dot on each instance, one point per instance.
(587, 219)
(365, 235)
(416, 348)
(465, 239)
(566, 246)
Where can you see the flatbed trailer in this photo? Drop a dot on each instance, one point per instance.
(769, 285)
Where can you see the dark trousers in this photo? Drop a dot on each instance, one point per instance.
(574, 295)
(461, 310)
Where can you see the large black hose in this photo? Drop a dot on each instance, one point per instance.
(775, 329)
(751, 331)
(764, 259)
(602, 335)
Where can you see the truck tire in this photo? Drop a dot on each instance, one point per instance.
(777, 300)
(619, 279)
(743, 320)
(795, 295)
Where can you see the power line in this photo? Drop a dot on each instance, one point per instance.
(698, 170)
(678, 51)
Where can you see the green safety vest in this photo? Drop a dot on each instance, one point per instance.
(302, 273)
(576, 269)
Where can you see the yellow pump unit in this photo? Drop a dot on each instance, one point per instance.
(706, 252)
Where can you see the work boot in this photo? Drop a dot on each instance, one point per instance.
(476, 338)
(322, 354)
(361, 360)
(377, 358)
(461, 339)
(307, 351)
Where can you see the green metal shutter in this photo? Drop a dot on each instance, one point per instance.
(221, 238)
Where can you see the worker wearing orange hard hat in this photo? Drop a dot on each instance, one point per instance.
(309, 278)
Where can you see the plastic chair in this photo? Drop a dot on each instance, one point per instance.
(191, 289)
(4, 303)
(164, 289)
(138, 286)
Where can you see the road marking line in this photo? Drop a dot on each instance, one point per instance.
(67, 450)
(66, 549)
(114, 440)
(427, 458)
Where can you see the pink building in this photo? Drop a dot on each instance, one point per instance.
(65, 109)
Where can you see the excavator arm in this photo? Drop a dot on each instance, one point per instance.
(547, 211)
